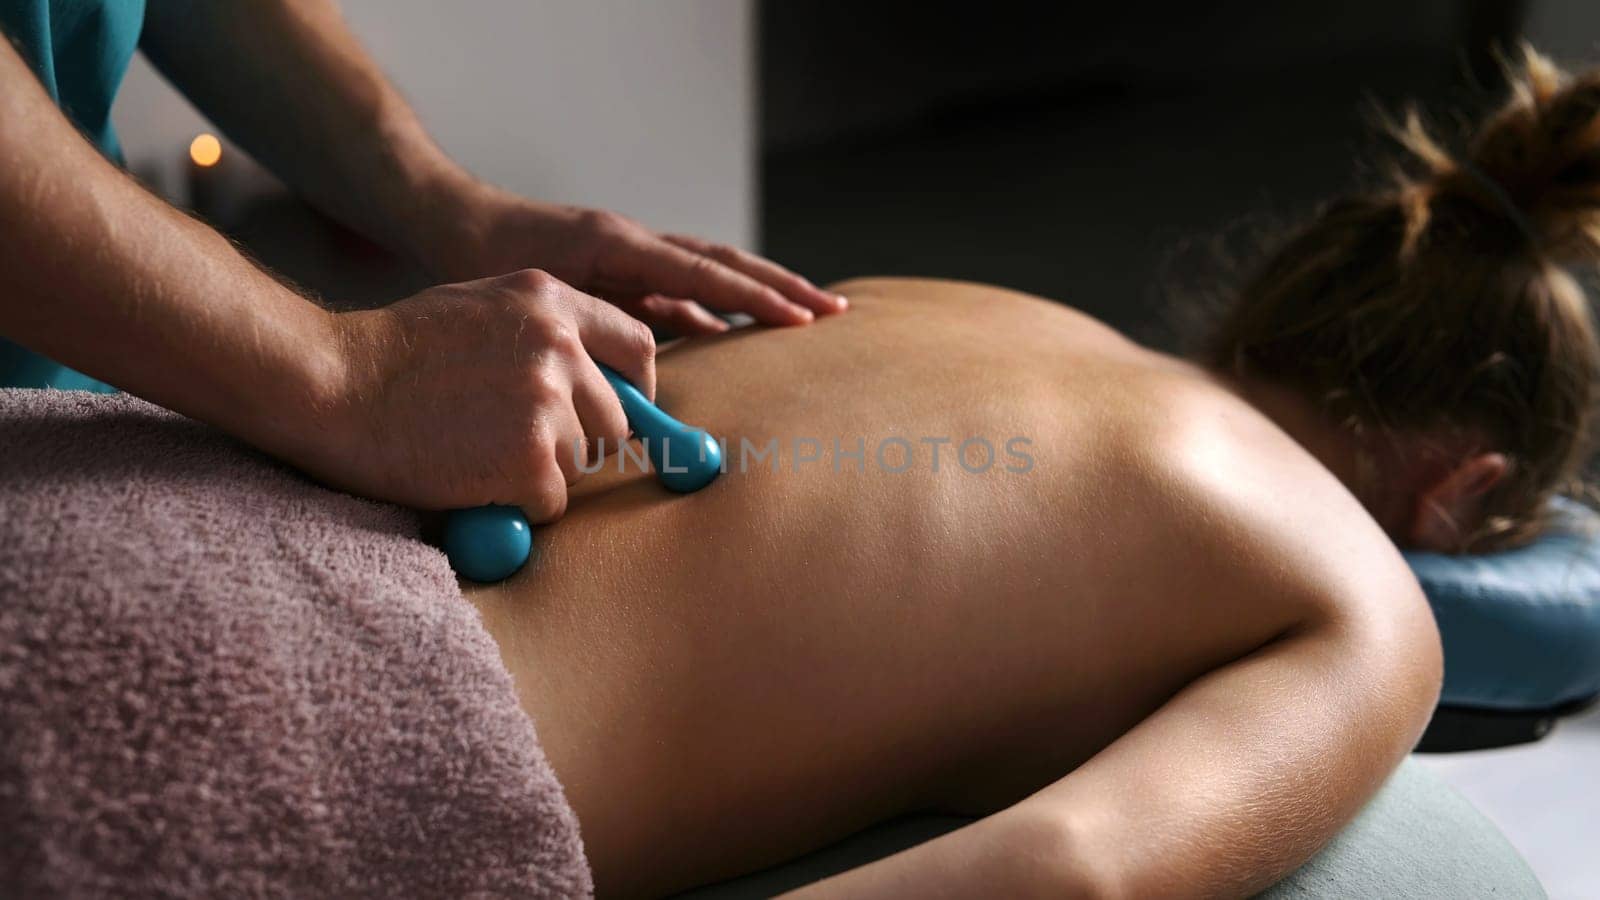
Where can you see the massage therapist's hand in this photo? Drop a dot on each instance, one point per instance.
(665, 280)
(476, 393)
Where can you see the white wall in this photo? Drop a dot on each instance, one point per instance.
(645, 108)
(1568, 30)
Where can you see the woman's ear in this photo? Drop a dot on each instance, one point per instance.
(1450, 505)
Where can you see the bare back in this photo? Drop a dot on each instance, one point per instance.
(729, 678)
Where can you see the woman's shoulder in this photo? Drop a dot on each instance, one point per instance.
(971, 302)
(1269, 514)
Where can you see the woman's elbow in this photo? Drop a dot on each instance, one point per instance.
(1042, 853)
(1388, 648)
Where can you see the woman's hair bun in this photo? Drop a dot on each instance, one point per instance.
(1436, 315)
(1532, 167)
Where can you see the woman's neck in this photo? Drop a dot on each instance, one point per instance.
(1340, 449)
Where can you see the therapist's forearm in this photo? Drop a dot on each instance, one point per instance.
(97, 273)
(288, 81)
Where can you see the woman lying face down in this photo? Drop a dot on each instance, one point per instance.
(1170, 657)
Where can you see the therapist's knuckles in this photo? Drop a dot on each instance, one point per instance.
(481, 392)
(535, 282)
(636, 355)
(599, 227)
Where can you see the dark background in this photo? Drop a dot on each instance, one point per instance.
(1089, 152)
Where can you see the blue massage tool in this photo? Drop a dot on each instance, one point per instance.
(490, 543)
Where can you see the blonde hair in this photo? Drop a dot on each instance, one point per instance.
(1442, 304)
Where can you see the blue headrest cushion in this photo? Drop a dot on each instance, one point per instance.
(1521, 628)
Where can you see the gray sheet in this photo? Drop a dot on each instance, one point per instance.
(1416, 840)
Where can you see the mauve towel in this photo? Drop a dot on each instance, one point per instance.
(219, 679)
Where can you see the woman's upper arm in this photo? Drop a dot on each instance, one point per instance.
(1252, 767)
(1248, 770)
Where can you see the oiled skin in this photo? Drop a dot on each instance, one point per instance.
(726, 679)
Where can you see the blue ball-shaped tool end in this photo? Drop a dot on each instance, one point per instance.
(701, 463)
(487, 543)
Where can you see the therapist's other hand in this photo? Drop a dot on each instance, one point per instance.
(663, 279)
(476, 393)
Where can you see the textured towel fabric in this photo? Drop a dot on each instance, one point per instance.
(219, 679)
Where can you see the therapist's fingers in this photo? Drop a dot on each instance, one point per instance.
(671, 270)
(794, 287)
(681, 317)
(543, 492)
(617, 339)
(605, 426)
